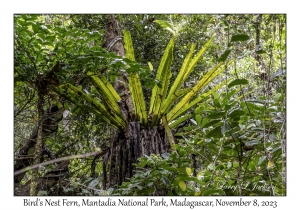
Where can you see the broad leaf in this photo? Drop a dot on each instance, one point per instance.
(224, 56)
(251, 143)
(182, 185)
(166, 181)
(239, 37)
(216, 133)
(236, 113)
(188, 171)
(238, 82)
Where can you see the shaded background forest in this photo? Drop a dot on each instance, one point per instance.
(232, 143)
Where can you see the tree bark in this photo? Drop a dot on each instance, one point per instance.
(113, 43)
(24, 159)
(49, 180)
(38, 146)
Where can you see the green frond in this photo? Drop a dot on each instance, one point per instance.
(108, 94)
(73, 94)
(169, 133)
(135, 86)
(184, 103)
(187, 67)
(164, 76)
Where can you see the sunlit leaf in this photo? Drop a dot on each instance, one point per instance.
(270, 164)
(188, 171)
(182, 185)
(150, 66)
(198, 193)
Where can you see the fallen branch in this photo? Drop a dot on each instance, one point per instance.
(99, 153)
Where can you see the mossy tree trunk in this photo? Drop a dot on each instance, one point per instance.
(38, 145)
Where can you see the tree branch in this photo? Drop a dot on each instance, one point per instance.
(60, 159)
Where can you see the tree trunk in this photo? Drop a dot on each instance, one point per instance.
(135, 140)
(114, 44)
(128, 146)
(23, 159)
(38, 146)
(49, 180)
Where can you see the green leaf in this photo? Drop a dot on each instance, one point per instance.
(224, 56)
(169, 133)
(183, 104)
(188, 171)
(260, 52)
(188, 128)
(216, 132)
(187, 67)
(143, 161)
(150, 66)
(166, 181)
(165, 25)
(239, 37)
(107, 92)
(128, 45)
(182, 185)
(135, 85)
(230, 105)
(211, 123)
(164, 75)
(276, 149)
(198, 119)
(72, 93)
(238, 82)
(251, 143)
(66, 105)
(93, 183)
(270, 164)
(261, 160)
(59, 105)
(178, 121)
(216, 115)
(236, 113)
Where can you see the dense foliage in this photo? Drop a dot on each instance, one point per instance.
(229, 134)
